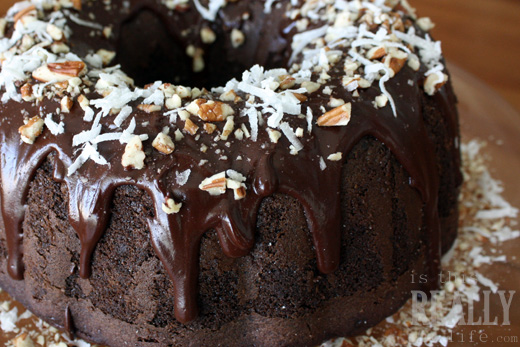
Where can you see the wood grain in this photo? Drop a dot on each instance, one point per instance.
(481, 36)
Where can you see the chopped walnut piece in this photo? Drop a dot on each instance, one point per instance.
(239, 188)
(335, 156)
(380, 101)
(229, 96)
(27, 43)
(300, 97)
(59, 47)
(178, 135)
(69, 68)
(170, 206)
(149, 108)
(107, 32)
(336, 117)
(210, 111)
(66, 104)
(190, 127)
(414, 63)
(23, 340)
(163, 143)
(237, 38)
(59, 72)
(376, 52)
(333, 102)
(363, 83)
(395, 61)
(133, 157)
(106, 56)
(207, 35)
(274, 135)
(215, 185)
(239, 193)
(31, 130)
(239, 134)
(434, 82)
(183, 114)
(228, 128)
(83, 102)
(311, 86)
(173, 102)
(287, 82)
(425, 23)
(55, 32)
(398, 25)
(351, 83)
(27, 92)
(209, 127)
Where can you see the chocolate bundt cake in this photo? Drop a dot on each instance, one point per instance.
(212, 172)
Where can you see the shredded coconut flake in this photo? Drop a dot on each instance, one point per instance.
(182, 177)
(54, 127)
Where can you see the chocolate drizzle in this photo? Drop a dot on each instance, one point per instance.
(269, 169)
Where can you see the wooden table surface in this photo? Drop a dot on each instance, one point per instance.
(481, 36)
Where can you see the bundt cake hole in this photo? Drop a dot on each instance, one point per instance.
(147, 51)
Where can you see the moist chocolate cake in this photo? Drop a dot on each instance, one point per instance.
(242, 173)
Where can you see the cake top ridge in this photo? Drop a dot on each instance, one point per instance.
(372, 40)
(208, 158)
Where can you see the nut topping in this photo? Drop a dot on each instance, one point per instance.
(376, 53)
(69, 68)
(210, 111)
(55, 32)
(336, 117)
(133, 158)
(395, 61)
(335, 156)
(106, 56)
(31, 130)
(59, 72)
(170, 206)
(23, 340)
(207, 35)
(239, 189)
(190, 127)
(27, 92)
(149, 108)
(434, 82)
(311, 86)
(209, 128)
(66, 104)
(237, 38)
(163, 143)
(425, 23)
(215, 185)
(228, 128)
(287, 82)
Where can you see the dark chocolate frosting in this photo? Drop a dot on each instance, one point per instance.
(268, 167)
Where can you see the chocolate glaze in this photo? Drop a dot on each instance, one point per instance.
(69, 323)
(269, 168)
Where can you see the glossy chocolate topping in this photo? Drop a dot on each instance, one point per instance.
(268, 167)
